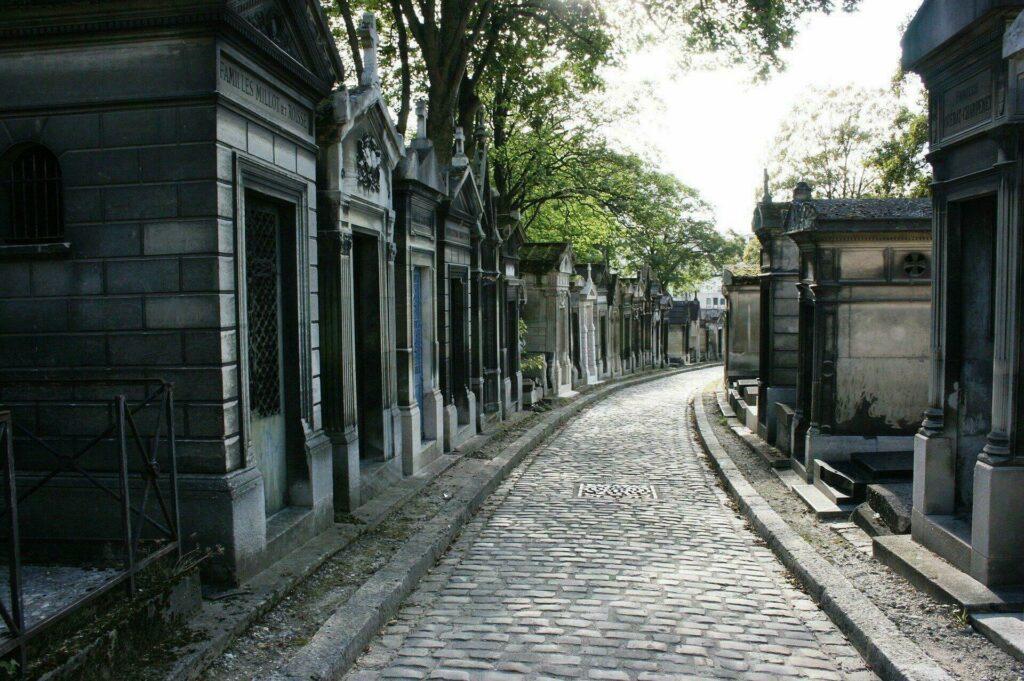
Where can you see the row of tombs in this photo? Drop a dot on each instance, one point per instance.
(878, 346)
(294, 306)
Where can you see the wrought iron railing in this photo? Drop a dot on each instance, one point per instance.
(145, 535)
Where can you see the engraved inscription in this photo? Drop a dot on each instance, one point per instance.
(967, 105)
(267, 99)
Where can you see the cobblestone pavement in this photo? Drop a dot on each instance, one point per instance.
(546, 584)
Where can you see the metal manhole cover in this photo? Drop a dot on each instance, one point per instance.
(590, 490)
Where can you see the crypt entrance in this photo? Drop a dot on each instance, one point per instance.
(271, 339)
(369, 365)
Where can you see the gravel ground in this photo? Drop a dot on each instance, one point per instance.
(935, 627)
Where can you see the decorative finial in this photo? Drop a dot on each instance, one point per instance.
(766, 197)
(421, 118)
(480, 155)
(802, 192)
(481, 132)
(368, 41)
(459, 159)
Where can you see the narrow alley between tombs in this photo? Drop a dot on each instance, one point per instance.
(612, 553)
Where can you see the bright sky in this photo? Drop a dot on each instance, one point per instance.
(714, 129)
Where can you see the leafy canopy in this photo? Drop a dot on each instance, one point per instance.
(853, 143)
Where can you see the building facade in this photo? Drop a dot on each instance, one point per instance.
(968, 466)
(779, 312)
(181, 150)
(742, 326)
(864, 297)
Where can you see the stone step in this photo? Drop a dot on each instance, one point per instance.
(868, 520)
(822, 507)
(893, 502)
(884, 466)
(840, 480)
(940, 579)
(1006, 630)
(853, 534)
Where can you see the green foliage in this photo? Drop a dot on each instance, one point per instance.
(747, 32)
(900, 159)
(831, 141)
(534, 69)
(749, 263)
(533, 363)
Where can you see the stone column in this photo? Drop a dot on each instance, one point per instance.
(997, 534)
(1007, 301)
(592, 354)
(337, 377)
(934, 455)
(393, 426)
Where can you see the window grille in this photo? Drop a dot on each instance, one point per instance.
(30, 185)
(263, 299)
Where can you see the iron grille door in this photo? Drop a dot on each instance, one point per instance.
(262, 252)
(417, 335)
(263, 277)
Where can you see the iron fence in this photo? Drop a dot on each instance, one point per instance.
(146, 535)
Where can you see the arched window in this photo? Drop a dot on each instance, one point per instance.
(31, 205)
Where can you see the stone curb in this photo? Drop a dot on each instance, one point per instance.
(887, 651)
(345, 634)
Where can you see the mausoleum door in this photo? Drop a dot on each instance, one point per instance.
(369, 367)
(417, 337)
(459, 346)
(264, 303)
(577, 345)
(975, 330)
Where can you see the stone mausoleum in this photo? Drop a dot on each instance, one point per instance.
(969, 451)
(357, 273)
(548, 270)
(777, 356)
(865, 300)
(171, 147)
(742, 325)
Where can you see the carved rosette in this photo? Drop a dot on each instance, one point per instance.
(368, 163)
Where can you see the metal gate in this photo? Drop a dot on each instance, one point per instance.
(263, 306)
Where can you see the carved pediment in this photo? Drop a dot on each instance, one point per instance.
(269, 18)
(299, 29)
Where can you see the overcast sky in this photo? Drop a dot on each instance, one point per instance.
(714, 129)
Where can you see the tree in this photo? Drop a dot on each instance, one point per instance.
(828, 140)
(900, 159)
(459, 41)
(635, 216)
(671, 229)
(850, 143)
(751, 32)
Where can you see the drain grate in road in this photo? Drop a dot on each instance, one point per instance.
(591, 490)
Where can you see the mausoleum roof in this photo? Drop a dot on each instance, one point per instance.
(938, 22)
(859, 219)
(872, 209)
(683, 311)
(540, 257)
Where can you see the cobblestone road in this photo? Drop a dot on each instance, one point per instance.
(544, 584)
